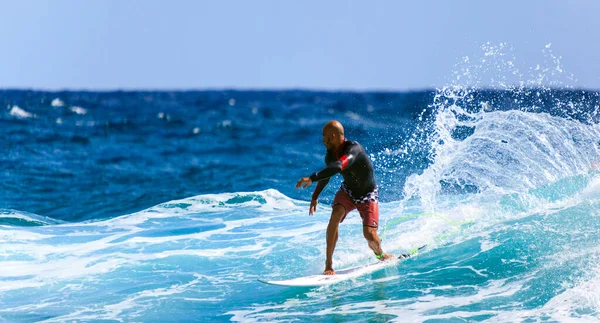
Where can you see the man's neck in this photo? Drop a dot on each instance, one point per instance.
(337, 150)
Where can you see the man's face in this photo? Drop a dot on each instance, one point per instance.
(328, 139)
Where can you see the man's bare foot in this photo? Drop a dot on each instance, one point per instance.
(329, 271)
(386, 257)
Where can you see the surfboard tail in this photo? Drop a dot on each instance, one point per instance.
(411, 253)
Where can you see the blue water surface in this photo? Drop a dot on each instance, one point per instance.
(168, 206)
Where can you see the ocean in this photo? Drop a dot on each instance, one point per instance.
(167, 206)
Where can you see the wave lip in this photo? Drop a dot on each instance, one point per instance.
(10, 217)
(270, 199)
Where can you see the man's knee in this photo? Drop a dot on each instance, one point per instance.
(337, 214)
(370, 233)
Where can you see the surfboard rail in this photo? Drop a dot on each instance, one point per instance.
(341, 275)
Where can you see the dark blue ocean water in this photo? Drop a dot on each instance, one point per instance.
(97, 155)
(133, 150)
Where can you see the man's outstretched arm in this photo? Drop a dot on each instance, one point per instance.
(320, 186)
(334, 167)
(315, 196)
(305, 182)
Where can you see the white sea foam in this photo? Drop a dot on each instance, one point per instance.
(353, 115)
(78, 110)
(257, 228)
(579, 301)
(20, 113)
(418, 309)
(57, 103)
(30, 217)
(135, 303)
(58, 261)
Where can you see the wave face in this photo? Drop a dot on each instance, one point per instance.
(168, 206)
(199, 258)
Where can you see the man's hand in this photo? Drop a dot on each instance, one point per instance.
(313, 206)
(304, 182)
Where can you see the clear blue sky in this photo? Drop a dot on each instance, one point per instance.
(354, 45)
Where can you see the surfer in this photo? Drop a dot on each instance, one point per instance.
(358, 190)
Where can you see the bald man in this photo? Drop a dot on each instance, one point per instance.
(358, 190)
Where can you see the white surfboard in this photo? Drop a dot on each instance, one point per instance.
(340, 275)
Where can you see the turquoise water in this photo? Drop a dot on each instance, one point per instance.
(199, 259)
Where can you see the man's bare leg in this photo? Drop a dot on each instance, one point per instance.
(337, 214)
(374, 242)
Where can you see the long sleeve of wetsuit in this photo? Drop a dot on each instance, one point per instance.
(337, 166)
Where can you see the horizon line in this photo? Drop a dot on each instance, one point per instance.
(290, 89)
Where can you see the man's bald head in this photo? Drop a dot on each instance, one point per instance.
(334, 126)
(333, 135)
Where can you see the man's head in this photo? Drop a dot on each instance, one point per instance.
(333, 135)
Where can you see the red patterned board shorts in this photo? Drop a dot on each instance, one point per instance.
(369, 211)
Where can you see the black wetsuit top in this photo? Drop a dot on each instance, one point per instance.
(352, 162)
